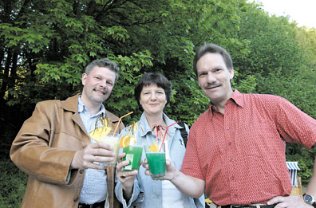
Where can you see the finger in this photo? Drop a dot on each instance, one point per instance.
(93, 165)
(120, 165)
(276, 200)
(102, 152)
(98, 155)
(105, 146)
(129, 173)
(103, 158)
(121, 155)
(168, 162)
(147, 172)
(144, 161)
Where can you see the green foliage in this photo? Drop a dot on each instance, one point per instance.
(272, 44)
(188, 100)
(12, 183)
(298, 88)
(298, 153)
(247, 84)
(33, 38)
(47, 43)
(122, 99)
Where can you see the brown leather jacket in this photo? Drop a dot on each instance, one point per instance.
(44, 149)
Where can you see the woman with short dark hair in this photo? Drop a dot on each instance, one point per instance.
(134, 188)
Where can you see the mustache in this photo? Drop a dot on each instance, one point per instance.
(212, 85)
(101, 89)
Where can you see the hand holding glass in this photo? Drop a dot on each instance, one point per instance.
(156, 159)
(133, 152)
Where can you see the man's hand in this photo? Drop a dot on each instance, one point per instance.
(92, 156)
(289, 202)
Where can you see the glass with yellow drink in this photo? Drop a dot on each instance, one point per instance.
(102, 133)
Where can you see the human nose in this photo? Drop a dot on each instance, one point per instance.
(104, 84)
(153, 96)
(210, 78)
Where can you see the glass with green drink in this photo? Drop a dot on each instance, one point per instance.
(156, 158)
(133, 152)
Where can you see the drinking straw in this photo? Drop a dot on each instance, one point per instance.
(118, 123)
(164, 136)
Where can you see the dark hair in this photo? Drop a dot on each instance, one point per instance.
(212, 48)
(153, 78)
(104, 62)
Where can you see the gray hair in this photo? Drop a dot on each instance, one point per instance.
(104, 62)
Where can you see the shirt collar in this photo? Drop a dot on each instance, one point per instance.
(82, 108)
(236, 98)
(145, 128)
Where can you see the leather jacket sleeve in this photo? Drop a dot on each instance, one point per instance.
(42, 148)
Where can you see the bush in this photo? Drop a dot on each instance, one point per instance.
(13, 183)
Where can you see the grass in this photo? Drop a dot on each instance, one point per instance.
(13, 183)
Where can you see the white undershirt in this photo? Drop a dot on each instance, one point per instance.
(171, 196)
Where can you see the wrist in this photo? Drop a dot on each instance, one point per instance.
(175, 175)
(309, 199)
(127, 192)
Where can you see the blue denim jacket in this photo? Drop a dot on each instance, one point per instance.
(147, 192)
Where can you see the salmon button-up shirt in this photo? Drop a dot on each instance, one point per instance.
(241, 154)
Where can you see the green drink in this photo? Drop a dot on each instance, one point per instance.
(133, 155)
(157, 164)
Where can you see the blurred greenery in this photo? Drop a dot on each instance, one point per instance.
(13, 183)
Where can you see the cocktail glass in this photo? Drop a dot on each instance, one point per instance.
(156, 159)
(114, 142)
(133, 152)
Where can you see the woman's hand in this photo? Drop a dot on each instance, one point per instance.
(125, 177)
(171, 171)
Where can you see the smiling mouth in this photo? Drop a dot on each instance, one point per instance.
(100, 91)
(210, 87)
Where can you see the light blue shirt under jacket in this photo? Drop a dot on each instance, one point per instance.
(94, 183)
(147, 193)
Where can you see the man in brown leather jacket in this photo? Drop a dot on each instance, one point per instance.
(53, 146)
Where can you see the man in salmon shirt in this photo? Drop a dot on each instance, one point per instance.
(236, 149)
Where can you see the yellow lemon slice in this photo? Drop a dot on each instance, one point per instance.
(208, 201)
(99, 133)
(154, 148)
(104, 122)
(127, 140)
